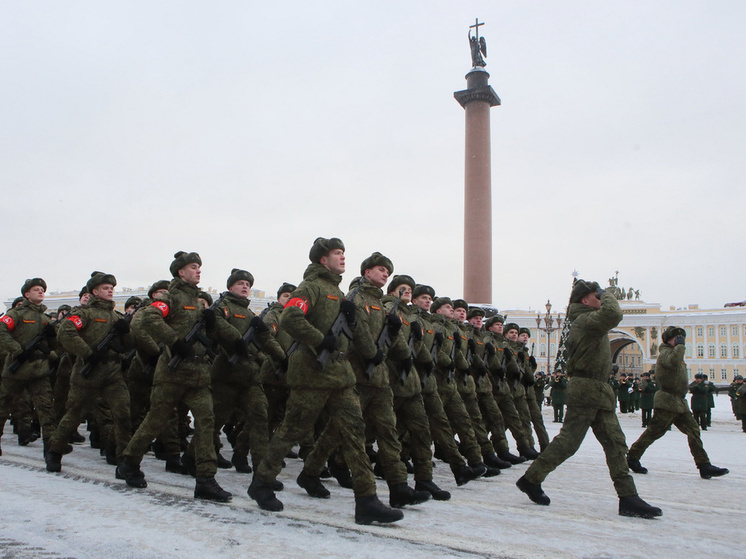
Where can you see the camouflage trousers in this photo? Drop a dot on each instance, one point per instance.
(512, 420)
(411, 421)
(608, 432)
(521, 406)
(538, 422)
(442, 432)
(658, 426)
(481, 434)
(494, 422)
(377, 406)
(303, 408)
(460, 421)
(163, 402)
(12, 395)
(113, 396)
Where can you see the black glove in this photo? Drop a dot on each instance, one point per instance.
(122, 326)
(457, 340)
(406, 364)
(428, 367)
(416, 329)
(183, 349)
(520, 357)
(241, 347)
(600, 293)
(208, 316)
(439, 338)
(532, 361)
(329, 343)
(348, 309)
(378, 358)
(258, 325)
(490, 349)
(508, 353)
(48, 331)
(679, 340)
(472, 345)
(94, 358)
(394, 323)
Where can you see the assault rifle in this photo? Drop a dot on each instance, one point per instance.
(340, 326)
(282, 369)
(384, 338)
(40, 337)
(105, 343)
(250, 337)
(452, 355)
(195, 333)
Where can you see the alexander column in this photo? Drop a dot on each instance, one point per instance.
(476, 100)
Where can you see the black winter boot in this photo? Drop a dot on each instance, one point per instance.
(512, 458)
(634, 506)
(131, 474)
(534, 491)
(369, 510)
(241, 463)
(312, 485)
(223, 462)
(174, 465)
(264, 496)
(209, 489)
(635, 466)
(341, 474)
(489, 471)
(401, 495)
(54, 461)
(437, 493)
(529, 453)
(189, 464)
(496, 462)
(465, 474)
(709, 471)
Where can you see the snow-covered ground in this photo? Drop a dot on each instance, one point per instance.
(84, 512)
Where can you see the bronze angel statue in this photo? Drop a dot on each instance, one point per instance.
(478, 50)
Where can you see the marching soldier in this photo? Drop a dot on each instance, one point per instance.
(528, 380)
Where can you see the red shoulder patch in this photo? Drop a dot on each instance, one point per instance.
(76, 321)
(300, 302)
(161, 306)
(9, 322)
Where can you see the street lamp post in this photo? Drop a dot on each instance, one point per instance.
(549, 326)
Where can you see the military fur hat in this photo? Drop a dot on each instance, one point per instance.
(376, 259)
(738, 377)
(98, 278)
(322, 247)
(398, 281)
(671, 332)
(238, 275)
(460, 304)
(495, 318)
(133, 301)
(83, 291)
(512, 326)
(700, 375)
(475, 311)
(63, 308)
(206, 296)
(157, 286)
(421, 289)
(181, 259)
(17, 301)
(525, 331)
(286, 288)
(581, 288)
(33, 282)
(646, 374)
(439, 302)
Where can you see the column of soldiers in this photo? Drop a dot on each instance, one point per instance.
(323, 369)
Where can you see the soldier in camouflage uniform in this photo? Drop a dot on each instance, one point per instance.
(741, 401)
(18, 327)
(528, 380)
(670, 407)
(648, 388)
(517, 379)
(441, 430)
(367, 358)
(308, 318)
(97, 373)
(592, 312)
(168, 321)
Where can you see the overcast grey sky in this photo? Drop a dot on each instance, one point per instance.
(243, 130)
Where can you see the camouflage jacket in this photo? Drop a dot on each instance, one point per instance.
(18, 327)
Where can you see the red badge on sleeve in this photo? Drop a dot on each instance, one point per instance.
(161, 306)
(76, 320)
(9, 322)
(300, 302)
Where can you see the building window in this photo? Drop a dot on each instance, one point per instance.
(711, 351)
(689, 372)
(723, 351)
(552, 349)
(734, 330)
(712, 373)
(711, 331)
(688, 350)
(688, 332)
(700, 350)
(736, 351)
(639, 360)
(723, 374)
(723, 331)
(700, 370)
(701, 331)
(542, 350)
